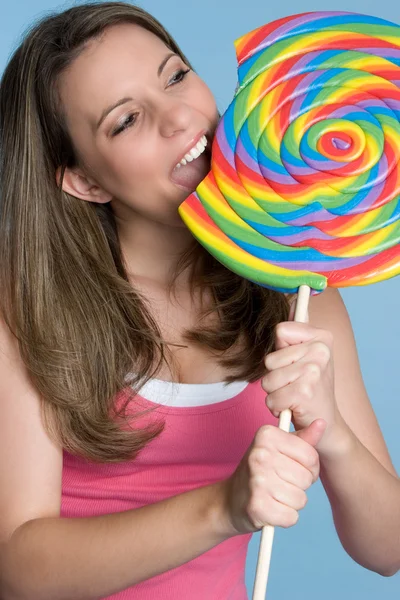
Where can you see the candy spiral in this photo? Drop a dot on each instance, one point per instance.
(304, 186)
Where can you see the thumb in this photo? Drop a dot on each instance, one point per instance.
(312, 434)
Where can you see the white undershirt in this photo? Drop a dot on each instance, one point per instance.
(169, 393)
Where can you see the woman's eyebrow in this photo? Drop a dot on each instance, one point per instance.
(164, 62)
(107, 110)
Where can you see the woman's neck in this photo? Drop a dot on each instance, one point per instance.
(152, 251)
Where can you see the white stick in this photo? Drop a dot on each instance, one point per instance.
(267, 533)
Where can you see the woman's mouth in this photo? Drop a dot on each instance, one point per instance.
(193, 152)
(193, 167)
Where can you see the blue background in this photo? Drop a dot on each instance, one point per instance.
(308, 561)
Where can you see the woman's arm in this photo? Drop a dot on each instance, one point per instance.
(90, 558)
(357, 472)
(45, 557)
(356, 469)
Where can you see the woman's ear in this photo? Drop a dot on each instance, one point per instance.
(76, 183)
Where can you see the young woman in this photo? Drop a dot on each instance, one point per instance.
(137, 454)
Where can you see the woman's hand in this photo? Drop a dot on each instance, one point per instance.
(268, 487)
(300, 377)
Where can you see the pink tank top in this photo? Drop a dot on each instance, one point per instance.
(199, 445)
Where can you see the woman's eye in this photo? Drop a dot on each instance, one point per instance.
(178, 76)
(127, 122)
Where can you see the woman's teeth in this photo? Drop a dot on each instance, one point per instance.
(194, 152)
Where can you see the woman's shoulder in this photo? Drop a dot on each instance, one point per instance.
(20, 402)
(30, 463)
(12, 369)
(13, 372)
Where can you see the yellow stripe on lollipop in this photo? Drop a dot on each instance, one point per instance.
(211, 196)
(370, 63)
(224, 245)
(366, 244)
(361, 223)
(234, 193)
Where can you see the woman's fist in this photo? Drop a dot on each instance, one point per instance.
(300, 375)
(268, 487)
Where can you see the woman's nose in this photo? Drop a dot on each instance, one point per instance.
(175, 117)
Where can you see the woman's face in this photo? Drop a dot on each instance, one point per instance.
(135, 111)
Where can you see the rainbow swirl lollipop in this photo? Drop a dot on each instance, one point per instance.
(305, 178)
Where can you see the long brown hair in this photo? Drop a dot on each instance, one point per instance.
(81, 326)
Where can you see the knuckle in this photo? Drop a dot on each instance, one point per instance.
(269, 401)
(312, 371)
(267, 382)
(301, 411)
(290, 518)
(257, 483)
(264, 383)
(269, 362)
(257, 457)
(257, 510)
(302, 500)
(264, 434)
(305, 390)
(279, 330)
(315, 475)
(308, 480)
(313, 458)
(322, 352)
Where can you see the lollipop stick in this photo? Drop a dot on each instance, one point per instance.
(267, 533)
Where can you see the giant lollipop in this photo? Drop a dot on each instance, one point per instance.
(304, 187)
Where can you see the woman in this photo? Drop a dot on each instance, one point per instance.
(128, 470)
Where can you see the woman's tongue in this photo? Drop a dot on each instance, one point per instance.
(190, 175)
